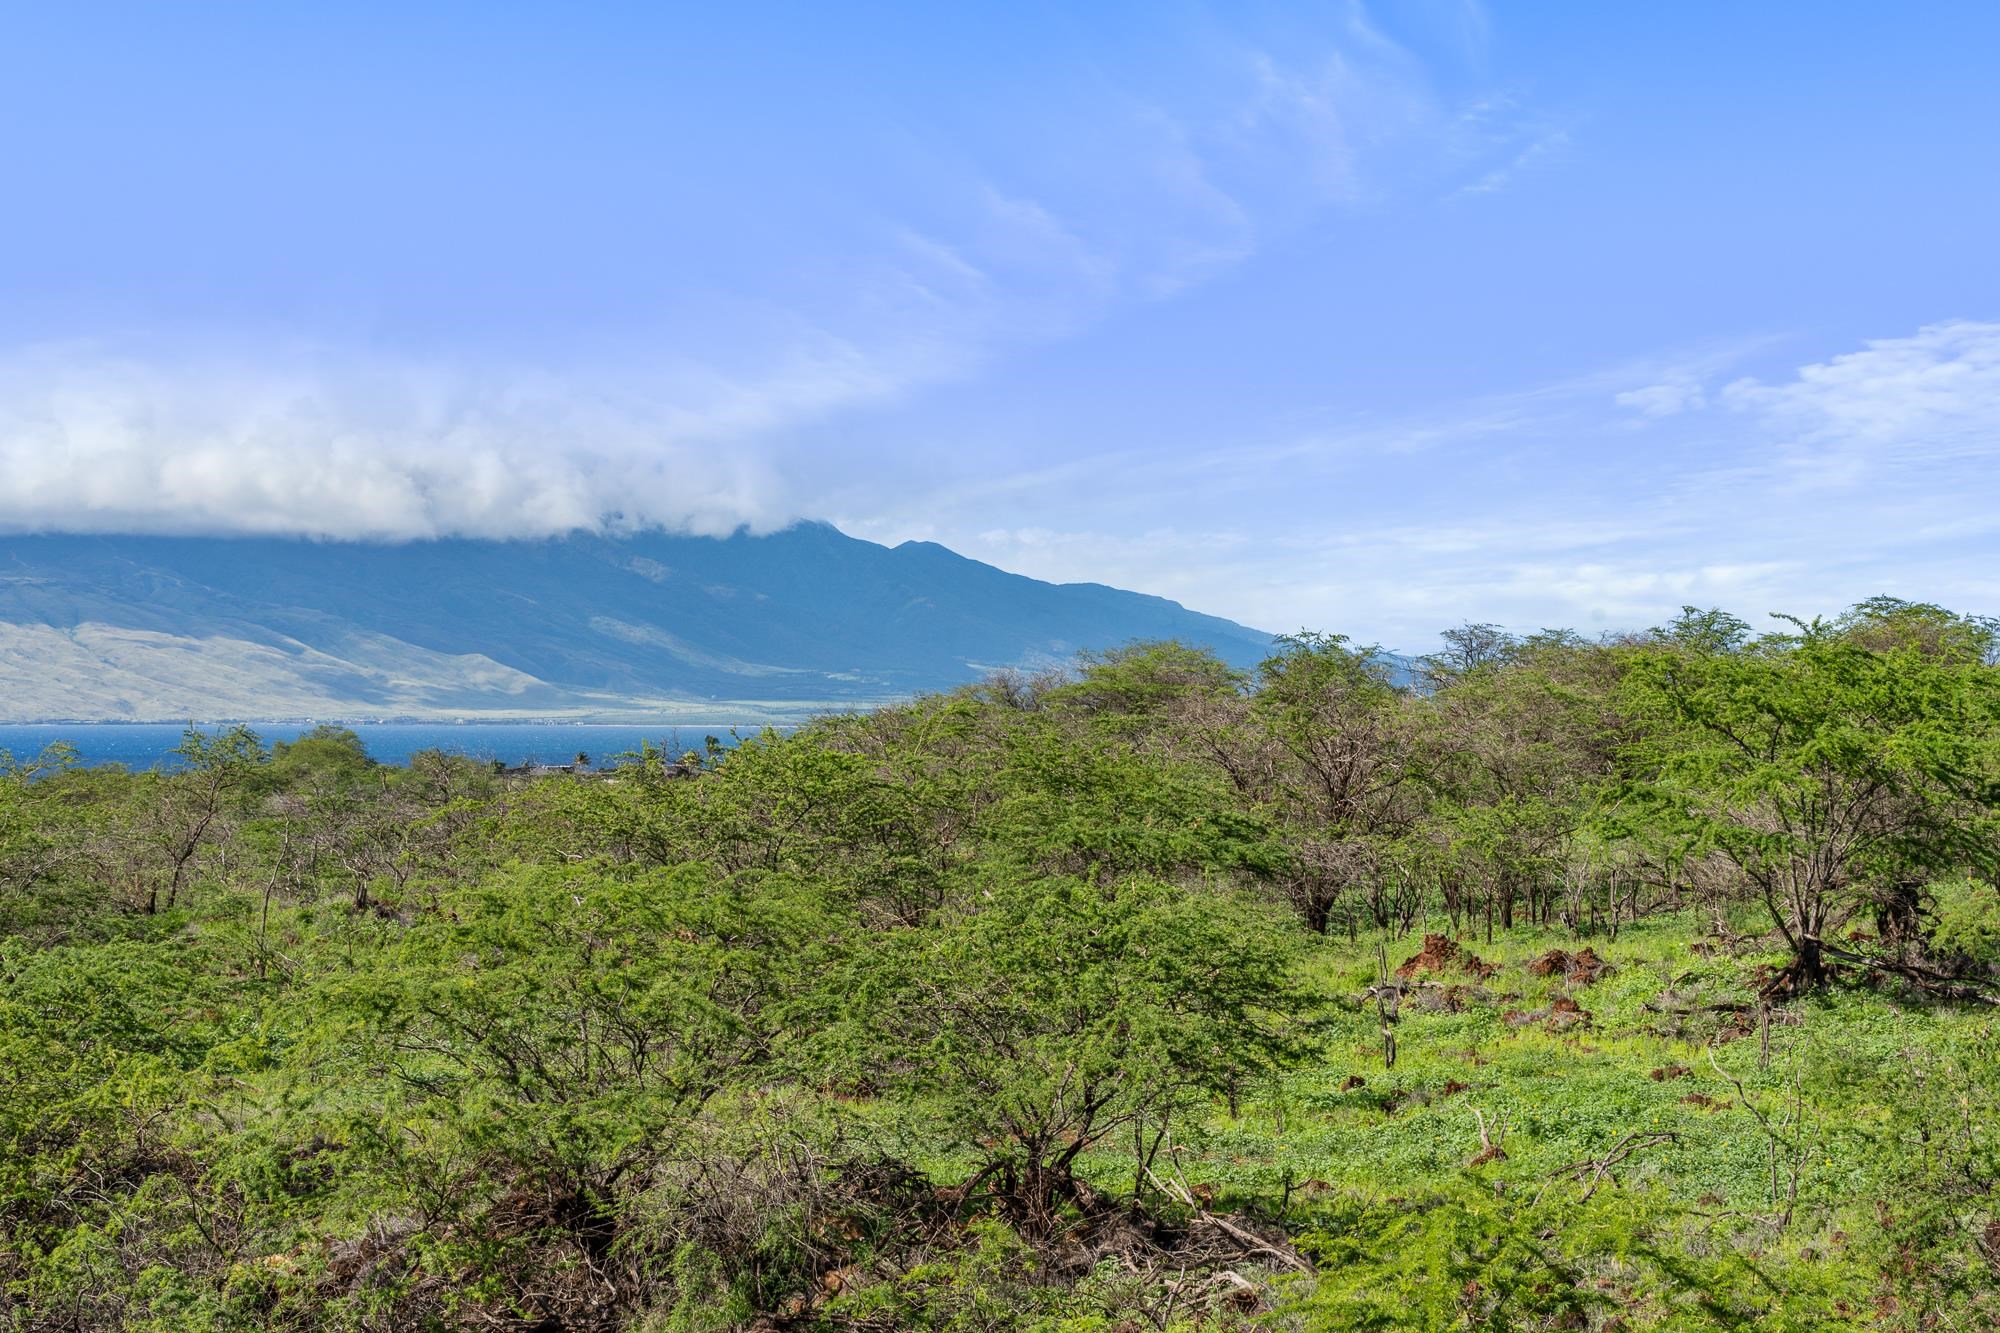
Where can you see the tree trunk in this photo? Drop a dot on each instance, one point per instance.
(1319, 911)
(1810, 964)
(1897, 916)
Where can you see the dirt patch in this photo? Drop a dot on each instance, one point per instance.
(1566, 1013)
(1562, 1015)
(1555, 960)
(1411, 1098)
(1441, 955)
(1670, 1072)
(1579, 969)
(1700, 1099)
(1735, 1027)
(1433, 998)
(1586, 966)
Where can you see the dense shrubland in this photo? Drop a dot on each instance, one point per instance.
(1644, 982)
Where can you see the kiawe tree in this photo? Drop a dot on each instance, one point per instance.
(1833, 767)
(550, 1050)
(1143, 681)
(1342, 775)
(192, 805)
(1064, 1016)
(1513, 753)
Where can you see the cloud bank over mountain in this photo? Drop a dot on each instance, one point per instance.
(533, 372)
(1362, 316)
(93, 443)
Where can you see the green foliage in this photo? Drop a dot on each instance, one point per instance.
(1965, 921)
(571, 1024)
(1046, 1004)
(1061, 1012)
(1825, 770)
(1462, 1254)
(1085, 806)
(1137, 684)
(329, 754)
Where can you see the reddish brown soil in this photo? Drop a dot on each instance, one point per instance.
(1441, 955)
(1579, 969)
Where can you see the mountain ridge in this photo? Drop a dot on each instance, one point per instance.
(581, 627)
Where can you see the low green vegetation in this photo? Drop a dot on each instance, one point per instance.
(1648, 982)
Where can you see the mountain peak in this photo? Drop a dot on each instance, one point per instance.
(804, 619)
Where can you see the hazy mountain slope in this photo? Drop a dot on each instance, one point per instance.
(99, 671)
(124, 627)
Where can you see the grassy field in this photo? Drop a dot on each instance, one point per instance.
(1637, 1150)
(1781, 1169)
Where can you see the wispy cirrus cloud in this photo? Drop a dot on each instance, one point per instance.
(1648, 485)
(1542, 148)
(1897, 402)
(1670, 397)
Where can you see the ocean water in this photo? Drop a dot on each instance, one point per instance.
(144, 744)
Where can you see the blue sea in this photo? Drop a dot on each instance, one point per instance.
(144, 744)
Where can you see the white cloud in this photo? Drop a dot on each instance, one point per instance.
(1868, 472)
(1535, 152)
(1156, 188)
(1670, 397)
(338, 448)
(1933, 394)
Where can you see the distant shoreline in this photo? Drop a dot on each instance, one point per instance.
(147, 744)
(765, 720)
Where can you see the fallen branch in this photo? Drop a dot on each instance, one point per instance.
(1793, 1149)
(1253, 1243)
(1597, 1168)
(1942, 984)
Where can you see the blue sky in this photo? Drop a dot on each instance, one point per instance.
(1370, 319)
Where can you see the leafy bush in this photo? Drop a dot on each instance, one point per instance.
(1965, 921)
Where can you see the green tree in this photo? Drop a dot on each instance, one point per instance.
(1339, 768)
(192, 803)
(563, 1032)
(1138, 683)
(1064, 1014)
(334, 755)
(1830, 769)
